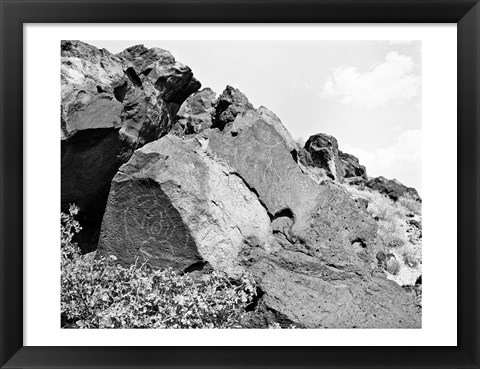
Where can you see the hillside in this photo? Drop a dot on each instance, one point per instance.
(180, 177)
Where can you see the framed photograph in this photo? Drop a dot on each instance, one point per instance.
(265, 184)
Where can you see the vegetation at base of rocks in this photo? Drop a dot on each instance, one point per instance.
(399, 226)
(276, 325)
(99, 293)
(409, 203)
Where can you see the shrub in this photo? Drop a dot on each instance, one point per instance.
(391, 216)
(68, 228)
(99, 293)
(412, 205)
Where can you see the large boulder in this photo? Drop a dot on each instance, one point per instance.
(174, 205)
(249, 117)
(321, 156)
(392, 188)
(229, 104)
(321, 151)
(110, 106)
(351, 166)
(196, 113)
(236, 199)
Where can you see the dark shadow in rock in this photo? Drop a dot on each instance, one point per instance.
(132, 75)
(120, 92)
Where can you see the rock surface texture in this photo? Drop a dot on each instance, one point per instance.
(227, 187)
(241, 203)
(197, 113)
(392, 188)
(321, 151)
(111, 105)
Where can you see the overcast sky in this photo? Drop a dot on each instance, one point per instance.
(365, 93)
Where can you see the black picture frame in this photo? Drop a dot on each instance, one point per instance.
(466, 13)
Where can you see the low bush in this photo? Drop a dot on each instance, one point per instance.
(99, 293)
(412, 205)
(395, 220)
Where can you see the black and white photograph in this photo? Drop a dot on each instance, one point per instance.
(241, 184)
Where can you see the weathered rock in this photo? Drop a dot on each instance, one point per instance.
(228, 105)
(319, 295)
(322, 151)
(355, 181)
(235, 193)
(111, 105)
(241, 203)
(173, 205)
(249, 117)
(392, 188)
(174, 81)
(323, 244)
(351, 166)
(196, 113)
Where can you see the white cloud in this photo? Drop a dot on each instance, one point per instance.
(392, 81)
(402, 160)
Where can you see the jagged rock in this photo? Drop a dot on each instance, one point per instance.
(196, 113)
(228, 105)
(174, 81)
(323, 245)
(235, 193)
(241, 203)
(351, 166)
(249, 117)
(321, 151)
(111, 105)
(392, 188)
(173, 205)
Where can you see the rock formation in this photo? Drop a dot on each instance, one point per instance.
(111, 105)
(392, 188)
(321, 151)
(227, 187)
(197, 113)
(241, 203)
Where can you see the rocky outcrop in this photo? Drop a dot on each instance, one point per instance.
(228, 105)
(197, 113)
(174, 205)
(231, 112)
(392, 188)
(240, 202)
(111, 105)
(351, 166)
(321, 151)
(197, 181)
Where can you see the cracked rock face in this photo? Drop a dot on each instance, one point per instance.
(321, 152)
(111, 105)
(351, 166)
(174, 205)
(195, 180)
(197, 113)
(241, 203)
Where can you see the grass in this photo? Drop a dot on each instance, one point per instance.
(393, 222)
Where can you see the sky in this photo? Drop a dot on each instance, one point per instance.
(367, 94)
